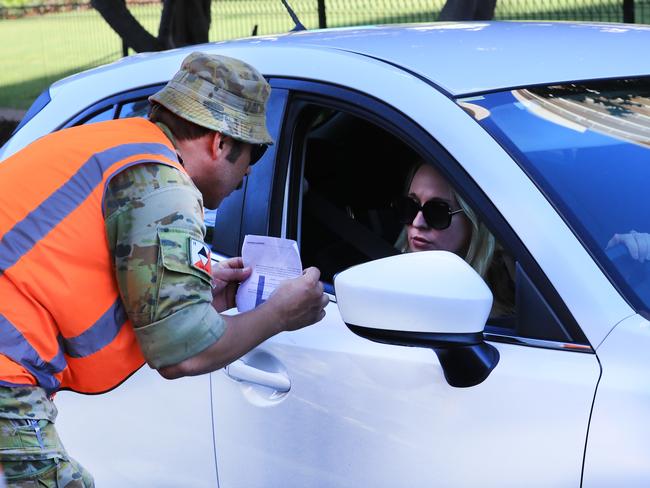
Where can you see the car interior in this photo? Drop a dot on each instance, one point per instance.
(350, 171)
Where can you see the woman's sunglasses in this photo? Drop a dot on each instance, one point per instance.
(437, 214)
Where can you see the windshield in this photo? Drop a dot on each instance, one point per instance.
(587, 147)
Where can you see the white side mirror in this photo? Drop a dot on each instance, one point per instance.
(431, 291)
(426, 299)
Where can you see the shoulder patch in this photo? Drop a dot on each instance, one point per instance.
(200, 255)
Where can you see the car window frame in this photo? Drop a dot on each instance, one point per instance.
(391, 119)
(116, 100)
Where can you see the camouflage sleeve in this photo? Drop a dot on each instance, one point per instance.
(151, 213)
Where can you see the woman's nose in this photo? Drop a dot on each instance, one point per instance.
(418, 220)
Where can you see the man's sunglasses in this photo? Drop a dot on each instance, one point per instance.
(437, 213)
(257, 151)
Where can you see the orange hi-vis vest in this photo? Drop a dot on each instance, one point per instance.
(62, 322)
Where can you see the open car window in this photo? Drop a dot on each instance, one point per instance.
(350, 171)
(345, 172)
(347, 188)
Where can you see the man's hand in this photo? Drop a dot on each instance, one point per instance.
(226, 277)
(298, 302)
(637, 243)
(294, 304)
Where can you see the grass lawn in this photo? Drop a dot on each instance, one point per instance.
(39, 50)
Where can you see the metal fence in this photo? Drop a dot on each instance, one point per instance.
(45, 42)
(272, 15)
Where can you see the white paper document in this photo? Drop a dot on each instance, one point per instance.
(273, 260)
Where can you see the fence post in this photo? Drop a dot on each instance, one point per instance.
(125, 46)
(322, 17)
(628, 11)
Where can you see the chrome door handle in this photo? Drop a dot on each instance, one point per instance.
(240, 371)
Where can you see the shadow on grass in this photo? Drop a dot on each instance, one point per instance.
(6, 128)
(20, 95)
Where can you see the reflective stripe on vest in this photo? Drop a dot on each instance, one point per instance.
(96, 337)
(47, 335)
(22, 237)
(17, 348)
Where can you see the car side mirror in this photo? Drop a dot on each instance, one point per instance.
(430, 299)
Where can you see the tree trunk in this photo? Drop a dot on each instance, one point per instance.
(182, 23)
(185, 22)
(468, 10)
(628, 11)
(127, 27)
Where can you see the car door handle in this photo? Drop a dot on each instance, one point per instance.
(240, 371)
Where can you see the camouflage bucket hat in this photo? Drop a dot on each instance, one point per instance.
(220, 93)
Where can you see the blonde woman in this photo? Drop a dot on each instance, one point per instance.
(435, 217)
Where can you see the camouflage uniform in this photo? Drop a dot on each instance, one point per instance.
(30, 449)
(152, 210)
(151, 213)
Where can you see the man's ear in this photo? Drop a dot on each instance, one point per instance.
(217, 144)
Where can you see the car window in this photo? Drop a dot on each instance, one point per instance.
(346, 173)
(137, 108)
(347, 188)
(353, 177)
(107, 113)
(587, 146)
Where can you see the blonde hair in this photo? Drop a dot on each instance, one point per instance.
(482, 243)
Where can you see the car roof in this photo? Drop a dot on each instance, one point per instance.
(471, 57)
(463, 58)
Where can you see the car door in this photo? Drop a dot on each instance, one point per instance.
(325, 407)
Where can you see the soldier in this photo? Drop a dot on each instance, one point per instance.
(102, 260)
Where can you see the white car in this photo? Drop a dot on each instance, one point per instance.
(544, 128)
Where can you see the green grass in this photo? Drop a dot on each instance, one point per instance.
(39, 50)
